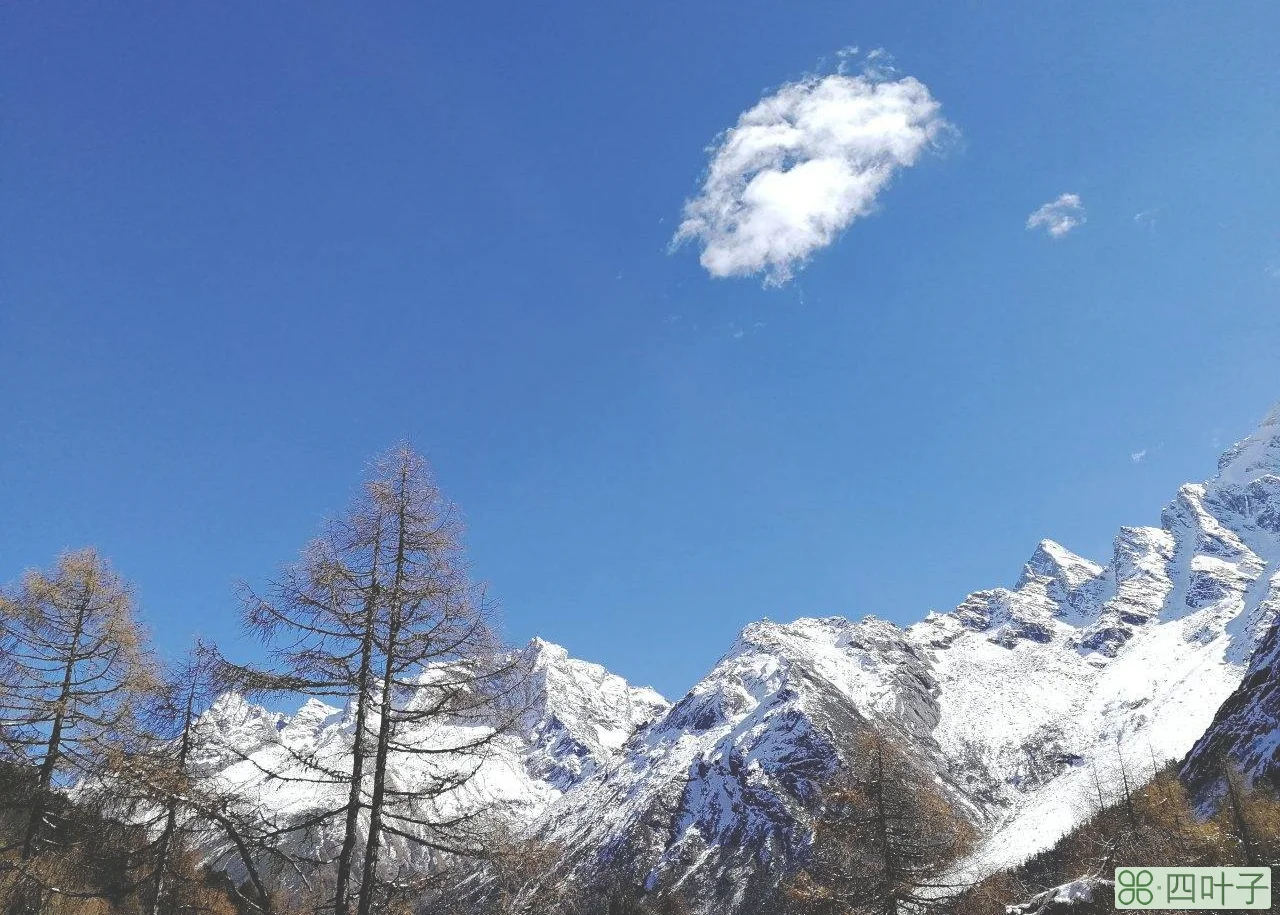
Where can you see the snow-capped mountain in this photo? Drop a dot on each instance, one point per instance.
(581, 718)
(1022, 700)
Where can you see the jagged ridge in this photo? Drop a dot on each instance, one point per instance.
(1015, 699)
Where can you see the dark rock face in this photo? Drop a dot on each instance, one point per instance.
(1245, 733)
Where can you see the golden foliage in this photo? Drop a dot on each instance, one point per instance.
(1157, 824)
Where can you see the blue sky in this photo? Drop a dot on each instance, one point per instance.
(245, 246)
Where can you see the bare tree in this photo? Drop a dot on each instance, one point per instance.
(380, 612)
(75, 668)
(161, 785)
(1126, 795)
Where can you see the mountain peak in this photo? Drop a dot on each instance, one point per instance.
(1055, 562)
(232, 717)
(582, 715)
(1254, 457)
(542, 650)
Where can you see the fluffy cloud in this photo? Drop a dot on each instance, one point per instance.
(1058, 217)
(801, 165)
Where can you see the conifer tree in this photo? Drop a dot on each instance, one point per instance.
(380, 613)
(885, 841)
(1235, 806)
(75, 668)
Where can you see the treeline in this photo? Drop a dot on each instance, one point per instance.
(110, 795)
(1158, 823)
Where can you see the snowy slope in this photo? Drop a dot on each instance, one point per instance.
(712, 796)
(1246, 730)
(1021, 699)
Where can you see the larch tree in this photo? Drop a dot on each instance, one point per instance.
(886, 839)
(380, 613)
(75, 669)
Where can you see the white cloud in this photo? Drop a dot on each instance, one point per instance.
(1138, 456)
(1058, 217)
(1147, 218)
(802, 164)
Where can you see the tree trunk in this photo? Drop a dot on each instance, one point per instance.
(45, 782)
(1242, 826)
(342, 892)
(371, 846)
(171, 819)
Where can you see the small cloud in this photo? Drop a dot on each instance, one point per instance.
(1273, 271)
(803, 164)
(737, 332)
(1058, 217)
(1139, 456)
(1147, 218)
(878, 64)
(846, 57)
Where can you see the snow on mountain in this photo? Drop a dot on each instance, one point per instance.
(1022, 700)
(579, 717)
(712, 796)
(583, 716)
(1078, 894)
(1245, 733)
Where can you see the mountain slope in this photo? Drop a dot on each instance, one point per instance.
(1245, 732)
(1020, 699)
